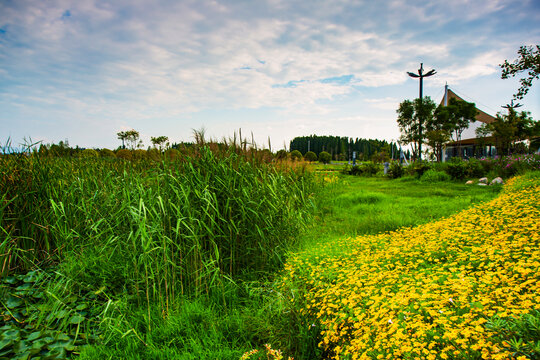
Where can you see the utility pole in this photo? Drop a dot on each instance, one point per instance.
(421, 75)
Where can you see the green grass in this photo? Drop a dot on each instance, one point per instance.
(361, 205)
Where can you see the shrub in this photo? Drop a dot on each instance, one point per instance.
(172, 154)
(396, 170)
(433, 175)
(153, 154)
(456, 168)
(325, 157)
(355, 170)
(296, 155)
(281, 154)
(139, 154)
(124, 154)
(418, 168)
(89, 153)
(369, 168)
(106, 153)
(475, 169)
(310, 156)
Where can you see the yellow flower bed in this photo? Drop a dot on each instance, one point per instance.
(427, 292)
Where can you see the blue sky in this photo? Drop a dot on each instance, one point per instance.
(85, 70)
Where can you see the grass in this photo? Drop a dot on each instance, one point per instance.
(353, 205)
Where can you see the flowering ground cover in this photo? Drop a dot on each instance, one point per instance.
(464, 287)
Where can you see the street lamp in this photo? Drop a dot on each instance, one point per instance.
(421, 75)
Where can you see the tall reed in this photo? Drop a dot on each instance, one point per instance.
(153, 230)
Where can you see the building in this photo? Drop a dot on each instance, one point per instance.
(470, 145)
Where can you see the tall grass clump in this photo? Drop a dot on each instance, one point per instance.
(156, 231)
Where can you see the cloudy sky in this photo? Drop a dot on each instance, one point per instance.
(85, 70)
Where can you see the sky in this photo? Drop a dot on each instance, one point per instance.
(85, 70)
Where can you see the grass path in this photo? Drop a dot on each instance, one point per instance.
(463, 287)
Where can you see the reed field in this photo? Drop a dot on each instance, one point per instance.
(218, 251)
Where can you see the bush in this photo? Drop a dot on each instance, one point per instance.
(281, 155)
(124, 154)
(433, 175)
(325, 157)
(296, 155)
(106, 153)
(396, 170)
(418, 168)
(172, 154)
(475, 168)
(310, 156)
(153, 154)
(89, 153)
(370, 168)
(456, 168)
(355, 170)
(139, 154)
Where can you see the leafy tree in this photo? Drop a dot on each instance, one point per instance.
(131, 137)
(160, 142)
(310, 156)
(410, 114)
(325, 157)
(509, 129)
(528, 60)
(456, 117)
(281, 154)
(296, 155)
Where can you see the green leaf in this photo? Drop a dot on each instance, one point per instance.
(82, 306)
(33, 336)
(13, 302)
(76, 319)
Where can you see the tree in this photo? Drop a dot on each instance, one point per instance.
(161, 142)
(310, 156)
(509, 129)
(131, 137)
(296, 155)
(325, 157)
(458, 115)
(528, 60)
(409, 115)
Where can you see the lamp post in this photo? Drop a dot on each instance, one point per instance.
(421, 75)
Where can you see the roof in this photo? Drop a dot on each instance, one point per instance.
(481, 115)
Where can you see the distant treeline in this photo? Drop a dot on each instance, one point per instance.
(341, 148)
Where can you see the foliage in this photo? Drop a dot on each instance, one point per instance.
(310, 156)
(172, 154)
(418, 168)
(433, 175)
(325, 157)
(139, 154)
(456, 168)
(281, 154)
(296, 155)
(411, 115)
(89, 153)
(528, 61)
(36, 324)
(106, 153)
(124, 154)
(509, 129)
(395, 170)
(131, 137)
(161, 142)
(430, 291)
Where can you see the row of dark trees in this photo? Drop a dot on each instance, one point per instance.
(342, 148)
